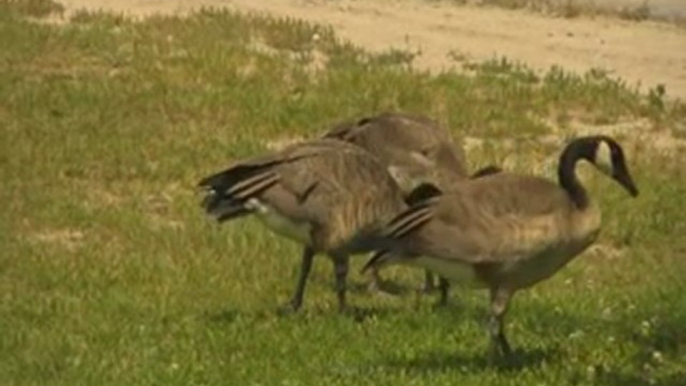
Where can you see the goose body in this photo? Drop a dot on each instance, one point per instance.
(327, 195)
(505, 232)
(514, 229)
(415, 150)
(274, 219)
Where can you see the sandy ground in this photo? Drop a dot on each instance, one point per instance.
(645, 53)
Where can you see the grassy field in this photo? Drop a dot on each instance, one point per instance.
(110, 273)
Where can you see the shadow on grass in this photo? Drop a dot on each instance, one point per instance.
(386, 286)
(442, 361)
(227, 316)
(360, 315)
(357, 314)
(665, 336)
(677, 378)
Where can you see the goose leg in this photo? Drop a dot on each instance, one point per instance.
(443, 287)
(341, 263)
(428, 281)
(499, 346)
(305, 268)
(375, 282)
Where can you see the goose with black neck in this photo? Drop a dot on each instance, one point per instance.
(505, 232)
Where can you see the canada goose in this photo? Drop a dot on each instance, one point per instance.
(426, 191)
(505, 232)
(415, 149)
(326, 194)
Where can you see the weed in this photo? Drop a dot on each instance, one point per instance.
(32, 8)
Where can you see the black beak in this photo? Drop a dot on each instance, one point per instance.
(627, 182)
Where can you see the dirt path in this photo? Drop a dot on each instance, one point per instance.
(648, 53)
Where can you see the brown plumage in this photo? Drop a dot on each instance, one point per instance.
(328, 195)
(415, 149)
(505, 232)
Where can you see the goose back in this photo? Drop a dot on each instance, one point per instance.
(500, 224)
(325, 193)
(413, 147)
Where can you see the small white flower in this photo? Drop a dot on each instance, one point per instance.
(657, 356)
(607, 312)
(576, 334)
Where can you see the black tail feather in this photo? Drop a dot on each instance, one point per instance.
(233, 175)
(344, 131)
(374, 260)
(422, 192)
(251, 186)
(486, 171)
(409, 221)
(229, 190)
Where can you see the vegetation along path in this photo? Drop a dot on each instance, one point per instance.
(649, 53)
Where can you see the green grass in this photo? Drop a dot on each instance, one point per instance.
(110, 273)
(32, 8)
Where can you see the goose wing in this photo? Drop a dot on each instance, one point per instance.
(413, 148)
(270, 176)
(344, 188)
(500, 218)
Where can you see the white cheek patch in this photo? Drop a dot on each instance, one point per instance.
(421, 159)
(603, 158)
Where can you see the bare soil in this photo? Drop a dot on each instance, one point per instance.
(644, 53)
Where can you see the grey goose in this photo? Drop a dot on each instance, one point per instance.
(505, 232)
(416, 150)
(328, 195)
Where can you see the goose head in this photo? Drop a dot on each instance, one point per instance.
(608, 157)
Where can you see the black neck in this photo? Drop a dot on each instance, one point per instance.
(566, 171)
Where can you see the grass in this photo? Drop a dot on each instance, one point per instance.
(110, 274)
(33, 8)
